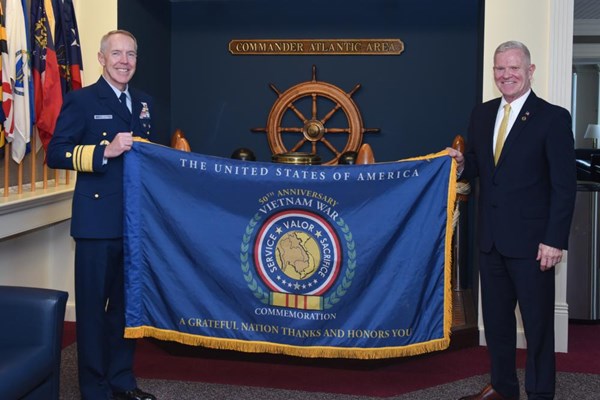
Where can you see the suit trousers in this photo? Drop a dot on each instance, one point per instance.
(505, 282)
(105, 357)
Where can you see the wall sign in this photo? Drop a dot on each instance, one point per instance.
(373, 47)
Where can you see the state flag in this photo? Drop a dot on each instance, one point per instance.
(16, 82)
(46, 76)
(67, 45)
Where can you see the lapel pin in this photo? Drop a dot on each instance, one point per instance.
(524, 117)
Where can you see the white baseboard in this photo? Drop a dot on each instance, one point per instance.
(70, 311)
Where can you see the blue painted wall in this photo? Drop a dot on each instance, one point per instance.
(419, 100)
(150, 22)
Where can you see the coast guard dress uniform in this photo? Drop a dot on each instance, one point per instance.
(89, 120)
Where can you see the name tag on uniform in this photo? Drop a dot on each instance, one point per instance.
(108, 116)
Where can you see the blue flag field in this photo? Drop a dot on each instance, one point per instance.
(346, 261)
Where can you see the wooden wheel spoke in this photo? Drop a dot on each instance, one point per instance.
(314, 106)
(275, 89)
(298, 113)
(297, 130)
(298, 145)
(337, 130)
(354, 90)
(328, 144)
(330, 114)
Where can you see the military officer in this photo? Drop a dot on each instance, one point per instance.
(95, 128)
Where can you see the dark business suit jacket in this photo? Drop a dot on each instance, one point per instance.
(90, 118)
(528, 198)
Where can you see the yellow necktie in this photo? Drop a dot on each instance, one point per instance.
(502, 133)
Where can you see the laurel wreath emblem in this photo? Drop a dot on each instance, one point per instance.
(329, 301)
(259, 293)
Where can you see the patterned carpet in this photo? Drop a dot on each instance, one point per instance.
(570, 386)
(578, 376)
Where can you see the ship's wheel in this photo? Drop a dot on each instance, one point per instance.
(296, 124)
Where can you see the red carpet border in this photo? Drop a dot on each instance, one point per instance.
(380, 378)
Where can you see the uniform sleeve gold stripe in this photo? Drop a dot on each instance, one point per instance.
(76, 155)
(83, 158)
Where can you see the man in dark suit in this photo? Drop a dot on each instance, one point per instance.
(94, 129)
(524, 157)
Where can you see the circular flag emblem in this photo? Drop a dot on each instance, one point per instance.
(297, 252)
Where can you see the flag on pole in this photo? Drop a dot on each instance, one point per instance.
(67, 45)
(16, 83)
(29, 87)
(46, 76)
(2, 52)
(6, 86)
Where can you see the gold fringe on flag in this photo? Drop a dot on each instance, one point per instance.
(276, 348)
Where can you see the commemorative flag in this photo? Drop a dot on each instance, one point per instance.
(313, 261)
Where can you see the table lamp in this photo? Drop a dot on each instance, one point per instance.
(593, 132)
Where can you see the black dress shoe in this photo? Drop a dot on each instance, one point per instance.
(134, 394)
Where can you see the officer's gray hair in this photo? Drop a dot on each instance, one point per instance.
(104, 40)
(511, 45)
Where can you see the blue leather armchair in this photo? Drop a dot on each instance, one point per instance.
(30, 342)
